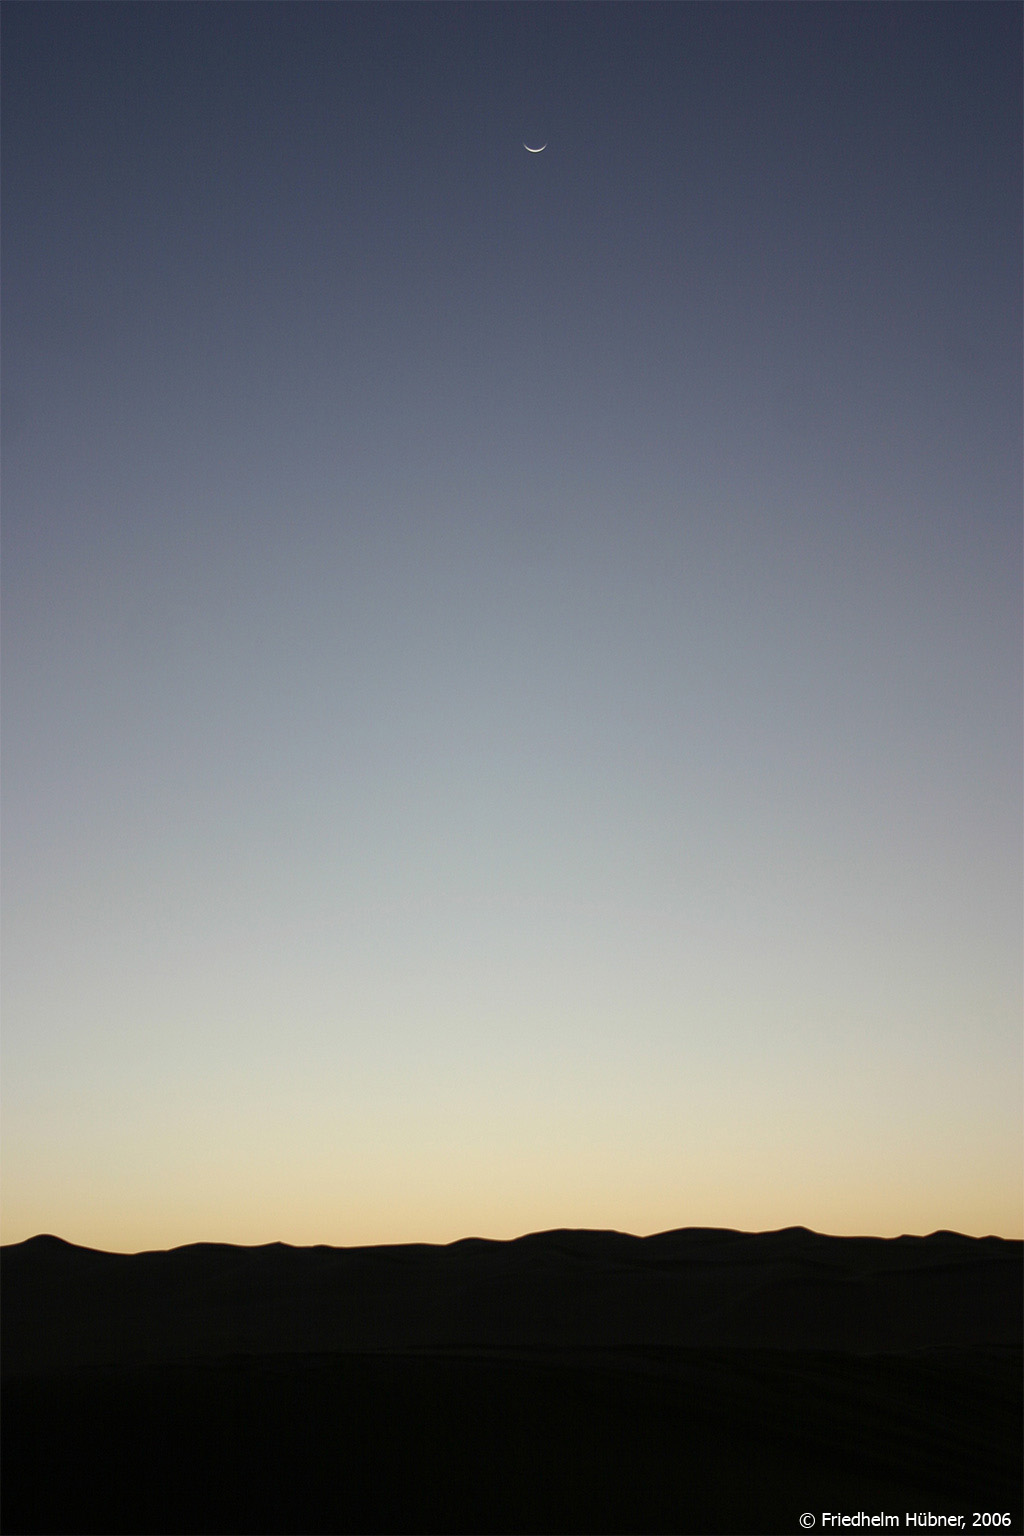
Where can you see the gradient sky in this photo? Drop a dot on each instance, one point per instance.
(512, 663)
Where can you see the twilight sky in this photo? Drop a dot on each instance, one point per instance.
(512, 663)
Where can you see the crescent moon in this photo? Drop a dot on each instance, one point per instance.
(533, 151)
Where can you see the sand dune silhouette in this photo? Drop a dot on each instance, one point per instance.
(568, 1380)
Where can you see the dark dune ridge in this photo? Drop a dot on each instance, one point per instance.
(697, 1380)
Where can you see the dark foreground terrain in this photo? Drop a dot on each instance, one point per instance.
(697, 1381)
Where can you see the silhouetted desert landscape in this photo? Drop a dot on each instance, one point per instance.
(694, 1381)
(511, 712)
